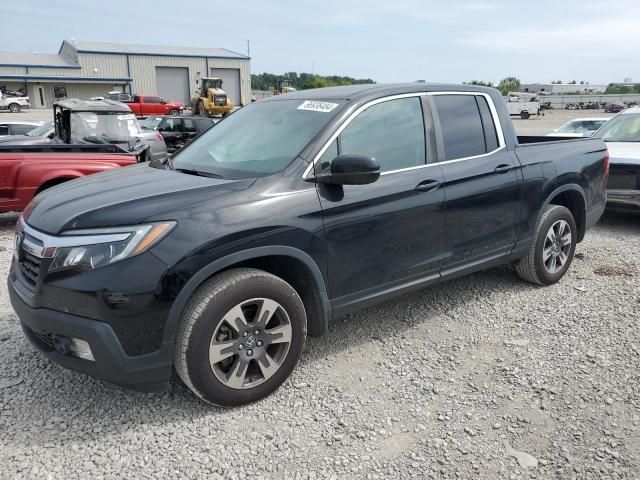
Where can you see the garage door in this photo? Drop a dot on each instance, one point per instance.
(230, 82)
(173, 83)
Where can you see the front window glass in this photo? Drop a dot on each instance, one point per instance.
(257, 140)
(92, 126)
(392, 132)
(621, 128)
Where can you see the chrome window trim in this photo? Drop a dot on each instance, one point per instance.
(306, 175)
(494, 114)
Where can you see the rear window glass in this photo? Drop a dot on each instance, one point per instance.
(490, 133)
(461, 126)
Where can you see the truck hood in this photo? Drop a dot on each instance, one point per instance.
(624, 153)
(125, 196)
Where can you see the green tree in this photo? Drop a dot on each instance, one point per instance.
(509, 84)
(480, 83)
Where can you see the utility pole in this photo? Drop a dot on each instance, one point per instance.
(248, 48)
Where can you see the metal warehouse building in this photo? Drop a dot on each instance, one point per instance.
(91, 69)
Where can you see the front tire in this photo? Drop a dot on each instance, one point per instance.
(552, 250)
(174, 112)
(14, 108)
(240, 337)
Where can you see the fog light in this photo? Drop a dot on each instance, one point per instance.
(81, 349)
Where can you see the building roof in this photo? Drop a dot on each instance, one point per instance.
(26, 59)
(133, 48)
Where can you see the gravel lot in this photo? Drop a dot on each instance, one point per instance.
(481, 377)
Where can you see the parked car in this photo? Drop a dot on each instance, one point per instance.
(579, 127)
(614, 107)
(12, 103)
(622, 136)
(29, 170)
(177, 131)
(104, 122)
(145, 105)
(41, 134)
(16, 128)
(294, 210)
(119, 97)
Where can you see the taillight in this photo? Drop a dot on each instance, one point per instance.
(606, 164)
(159, 137)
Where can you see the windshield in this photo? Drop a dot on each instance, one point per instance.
(41, 130)
(581, 126)
(150, 123)
(87, 125)
(257, 140)
(621, 128)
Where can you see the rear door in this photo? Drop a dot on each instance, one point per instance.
(482, 179)
(381, 236)
(171, 130)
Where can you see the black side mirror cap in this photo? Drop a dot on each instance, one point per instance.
(351, 169)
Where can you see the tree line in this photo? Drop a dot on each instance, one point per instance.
(304, 81)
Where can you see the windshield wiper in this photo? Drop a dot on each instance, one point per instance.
(199, 173)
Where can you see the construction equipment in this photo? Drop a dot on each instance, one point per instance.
(283, 86)
(212, 100)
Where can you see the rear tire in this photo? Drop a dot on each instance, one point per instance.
(524, 115)
(14, 107)
(240, 337)
(552, 249)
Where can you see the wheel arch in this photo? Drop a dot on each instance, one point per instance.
(571, 196)
(289, 263)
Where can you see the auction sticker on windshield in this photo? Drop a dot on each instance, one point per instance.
(314, 106)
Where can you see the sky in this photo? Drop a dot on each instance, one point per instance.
(386, 40)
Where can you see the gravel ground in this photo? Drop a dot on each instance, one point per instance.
(480, 377)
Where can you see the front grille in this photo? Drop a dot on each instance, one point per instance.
(624, 177)
(29, 267)
(220, 100)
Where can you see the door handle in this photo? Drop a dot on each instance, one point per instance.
(504, 168)
(428, 186)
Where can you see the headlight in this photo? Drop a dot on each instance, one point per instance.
(91, 249)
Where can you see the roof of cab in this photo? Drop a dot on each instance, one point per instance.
(357, 92)
(76, 105)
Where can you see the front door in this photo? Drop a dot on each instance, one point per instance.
(381, 236)
(482, 181)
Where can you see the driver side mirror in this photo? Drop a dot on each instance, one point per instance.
(163, 102)
(350, 169)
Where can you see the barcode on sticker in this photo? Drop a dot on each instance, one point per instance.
(317, 106)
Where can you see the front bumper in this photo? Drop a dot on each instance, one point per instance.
(626, 200)
(147, 373)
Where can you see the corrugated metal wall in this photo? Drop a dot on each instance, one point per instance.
(143, 71)
(245, 74)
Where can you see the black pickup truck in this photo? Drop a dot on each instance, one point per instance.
(290, 212)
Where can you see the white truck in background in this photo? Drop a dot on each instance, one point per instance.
(12, 103)
(522, 105)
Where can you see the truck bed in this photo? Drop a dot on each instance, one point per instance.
(528, 139)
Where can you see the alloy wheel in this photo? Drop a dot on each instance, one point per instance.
(557, 247)
(250, 343)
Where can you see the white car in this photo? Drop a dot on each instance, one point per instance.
(579, 127)
(622, 136)
(13, 104)
(17, 128)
